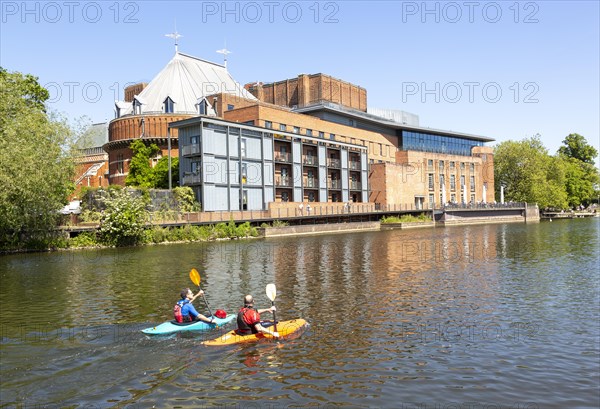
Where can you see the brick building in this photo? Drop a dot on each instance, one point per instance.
(404, 163)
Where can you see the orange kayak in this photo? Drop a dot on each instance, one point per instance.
(284, 328)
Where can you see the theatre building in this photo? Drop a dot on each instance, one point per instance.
(307, 139)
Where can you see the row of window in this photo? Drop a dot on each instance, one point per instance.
(452, 165)
(424, 142)
(442, 180)
(296, 129)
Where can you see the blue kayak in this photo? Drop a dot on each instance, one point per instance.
(171, 327)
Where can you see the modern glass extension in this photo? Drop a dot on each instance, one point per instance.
(424, 142)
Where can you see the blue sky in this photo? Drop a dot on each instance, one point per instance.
(506, 70)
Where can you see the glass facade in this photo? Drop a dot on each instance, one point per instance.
(424, 142)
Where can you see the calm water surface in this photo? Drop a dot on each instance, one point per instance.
(498, 316)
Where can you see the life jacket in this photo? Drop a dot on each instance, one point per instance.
(177, 310)
(243, 328)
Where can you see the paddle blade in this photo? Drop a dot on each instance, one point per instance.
(195, 276)
(271, 291)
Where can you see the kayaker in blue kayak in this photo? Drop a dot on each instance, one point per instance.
(248, 319)
(187, 311)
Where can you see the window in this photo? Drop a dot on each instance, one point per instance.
(442, 181)
(196, 166)
(268, 124)
(321, 134)
(332, 136)
(244, 172)
(285, 196)
(441, 165)
(243, 147)
(311, 196)
(380, 150)
(309, 132)
(472, 167)
(168, 105)
(120, 163)
(194, 140)
(452, 165)
(203, 107)
(472, 183)
(296, 129)
(430, 180)
(230, 107)
(137, 107)
(430, 164)
(452, 182)
(462, 182)
(462, 166)
(431, 200)
(282, 127)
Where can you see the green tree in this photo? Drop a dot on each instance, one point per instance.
(124, 219)
(581, 175)
(141, 174)
(529, 173)
(140, 171)
(36, 164)
(161, 173)
(577, 147)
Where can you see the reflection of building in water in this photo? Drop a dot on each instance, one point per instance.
(425, 267)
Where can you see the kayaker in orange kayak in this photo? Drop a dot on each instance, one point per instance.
(248, 319)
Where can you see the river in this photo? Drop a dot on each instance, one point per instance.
(489, 316)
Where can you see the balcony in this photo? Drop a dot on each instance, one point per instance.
(354, 165)
(311, 183)
(283, 181)
(355, 185)
(334, 184)
(190, 150)
(310, 160)
(283, 157)
(192, 179)
(333, 163)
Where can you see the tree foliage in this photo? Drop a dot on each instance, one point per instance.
(36, 165)
(576, 146)
(530, 174)
(124, 219)
(141, 174)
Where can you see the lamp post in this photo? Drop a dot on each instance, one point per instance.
(169, 152)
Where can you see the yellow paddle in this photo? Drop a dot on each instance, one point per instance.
(272, 293)
(195, 277)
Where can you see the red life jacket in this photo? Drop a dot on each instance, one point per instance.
(243, 327)
(177, 311)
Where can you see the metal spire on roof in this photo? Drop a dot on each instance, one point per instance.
(175, 36)
(224, 51)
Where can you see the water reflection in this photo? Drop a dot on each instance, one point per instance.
(497, 314)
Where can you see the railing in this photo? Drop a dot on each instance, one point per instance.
(192, 179)
(355, 186)
(310, 160)
(282, 157)
(333, 163)
(283, 181)
(353, 165)
(484, 205)
(334, 184)
(190, 150)
(311, 182)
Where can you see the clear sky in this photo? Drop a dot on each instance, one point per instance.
(501, 69)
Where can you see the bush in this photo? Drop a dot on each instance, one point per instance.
(85, 239)
(407, 218)
(123, 220)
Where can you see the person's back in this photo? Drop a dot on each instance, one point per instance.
(248, 319)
